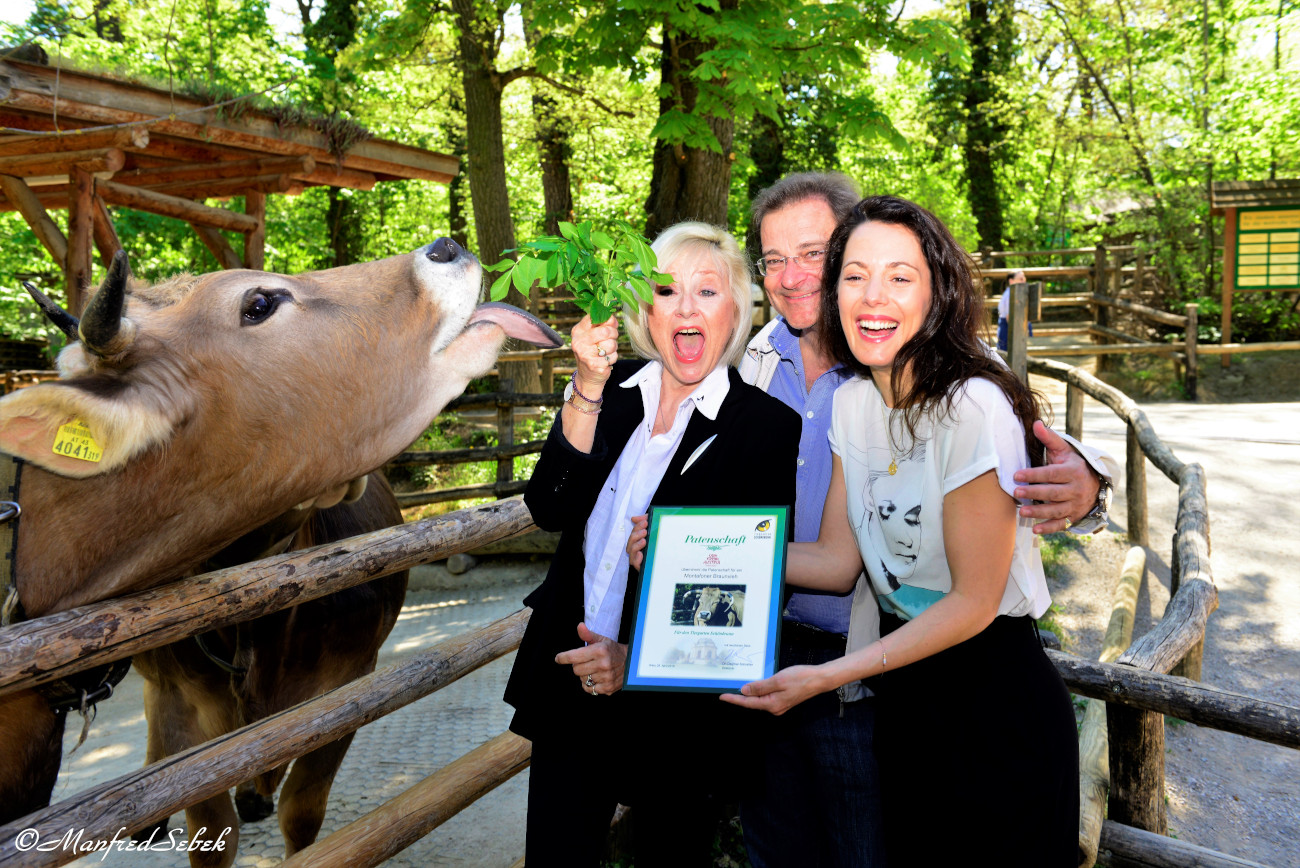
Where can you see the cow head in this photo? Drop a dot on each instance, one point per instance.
(214, 403)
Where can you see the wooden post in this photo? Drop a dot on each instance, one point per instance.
(1094, 746)
(47, 232)
(1018, 331)
(1102, 314)
(106, 240)
(218, 246)
(1189, 384)
(1139, 272)
(505, 433)
(81, 209)
(1074, 411)
(1137, 768)
(255, 241)
(1229, 279)
(1135, 489)
(548, 374)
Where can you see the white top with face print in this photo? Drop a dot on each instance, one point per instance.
(898, 519)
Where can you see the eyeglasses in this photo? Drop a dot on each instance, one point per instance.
(811, 260)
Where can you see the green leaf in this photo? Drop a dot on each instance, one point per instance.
(500, 286)
(599, 311)
(662, 279)
(568, 230)
(601, 240)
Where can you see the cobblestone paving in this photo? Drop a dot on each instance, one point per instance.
(386, 757)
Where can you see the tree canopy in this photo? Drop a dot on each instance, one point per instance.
(1024, 125)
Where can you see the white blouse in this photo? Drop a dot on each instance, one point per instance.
(628, 489)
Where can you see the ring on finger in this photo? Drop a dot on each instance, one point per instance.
(594, 692)
(600, 351)
(1068, 523)
(590, 683)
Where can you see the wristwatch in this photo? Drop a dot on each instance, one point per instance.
(1097, 518)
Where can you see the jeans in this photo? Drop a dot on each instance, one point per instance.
(820, 800)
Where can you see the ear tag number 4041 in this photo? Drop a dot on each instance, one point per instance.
(74, 440)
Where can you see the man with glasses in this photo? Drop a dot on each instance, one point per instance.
(820, 803)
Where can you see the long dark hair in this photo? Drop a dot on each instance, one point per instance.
(947, 350)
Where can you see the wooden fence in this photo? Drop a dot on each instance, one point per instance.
(1105, 279)
(1136, 688)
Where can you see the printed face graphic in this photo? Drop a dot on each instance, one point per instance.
(902, 537)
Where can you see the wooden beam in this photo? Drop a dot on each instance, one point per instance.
(106, 241)
(92, 98)
(1142, 310)
(174, 206)
(146, 795)
(1126, 847)
(218, 246)
(331, 175)
(225, 187)
(74, 140)
(99, 160)
(1229, 280)
(405, 819)
(46, 649)
(255, 241)
(81, 199)
(22, 199)
(159, 175)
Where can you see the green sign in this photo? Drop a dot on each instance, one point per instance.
(1268, 249)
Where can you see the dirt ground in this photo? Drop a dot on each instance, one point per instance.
(1251, 378)
(1223, 792)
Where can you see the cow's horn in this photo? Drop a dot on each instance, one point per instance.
(66, 322)
(103, 330)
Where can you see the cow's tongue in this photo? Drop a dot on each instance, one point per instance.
(517, 324)
(689, 346)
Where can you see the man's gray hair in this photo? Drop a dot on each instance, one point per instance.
(833, 188)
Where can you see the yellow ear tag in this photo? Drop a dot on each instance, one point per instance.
(74, 440)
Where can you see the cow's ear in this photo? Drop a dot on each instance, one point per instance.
(72, 431)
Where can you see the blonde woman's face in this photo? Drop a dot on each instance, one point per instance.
(693, 318)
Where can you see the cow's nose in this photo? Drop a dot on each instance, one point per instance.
(444, 250)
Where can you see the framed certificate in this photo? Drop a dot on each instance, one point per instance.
(708, 609)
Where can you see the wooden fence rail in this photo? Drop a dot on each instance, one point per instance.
(43, 649)
(160, 789)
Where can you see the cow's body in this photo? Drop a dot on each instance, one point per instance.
(236, 413)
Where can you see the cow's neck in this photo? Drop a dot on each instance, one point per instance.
(84, 540)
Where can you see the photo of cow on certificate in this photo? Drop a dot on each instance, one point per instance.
(709, 602)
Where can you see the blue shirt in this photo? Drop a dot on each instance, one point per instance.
(813, 477)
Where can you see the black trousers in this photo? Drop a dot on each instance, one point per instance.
(979, 754)
(576, 780)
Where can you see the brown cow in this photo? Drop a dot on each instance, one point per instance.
(228, 412)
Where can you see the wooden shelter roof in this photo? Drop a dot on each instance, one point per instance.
(78, 141)
(1254, 194)
(176, 144)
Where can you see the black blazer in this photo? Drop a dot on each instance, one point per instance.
(751, 463)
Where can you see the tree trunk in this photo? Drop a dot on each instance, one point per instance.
(457, 192)
(983, 133)
(688, 183)
(487, 169)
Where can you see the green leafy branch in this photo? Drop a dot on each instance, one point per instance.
(601, 269)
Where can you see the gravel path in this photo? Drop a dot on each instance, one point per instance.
(1225, 792)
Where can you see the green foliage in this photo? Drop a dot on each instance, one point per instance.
(1054, 548)
(601, 269)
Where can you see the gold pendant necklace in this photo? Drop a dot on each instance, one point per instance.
(889, 436)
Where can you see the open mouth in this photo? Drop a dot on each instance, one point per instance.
(877, 329)
(688, 344)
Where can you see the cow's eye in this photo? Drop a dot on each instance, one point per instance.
(259, 304)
